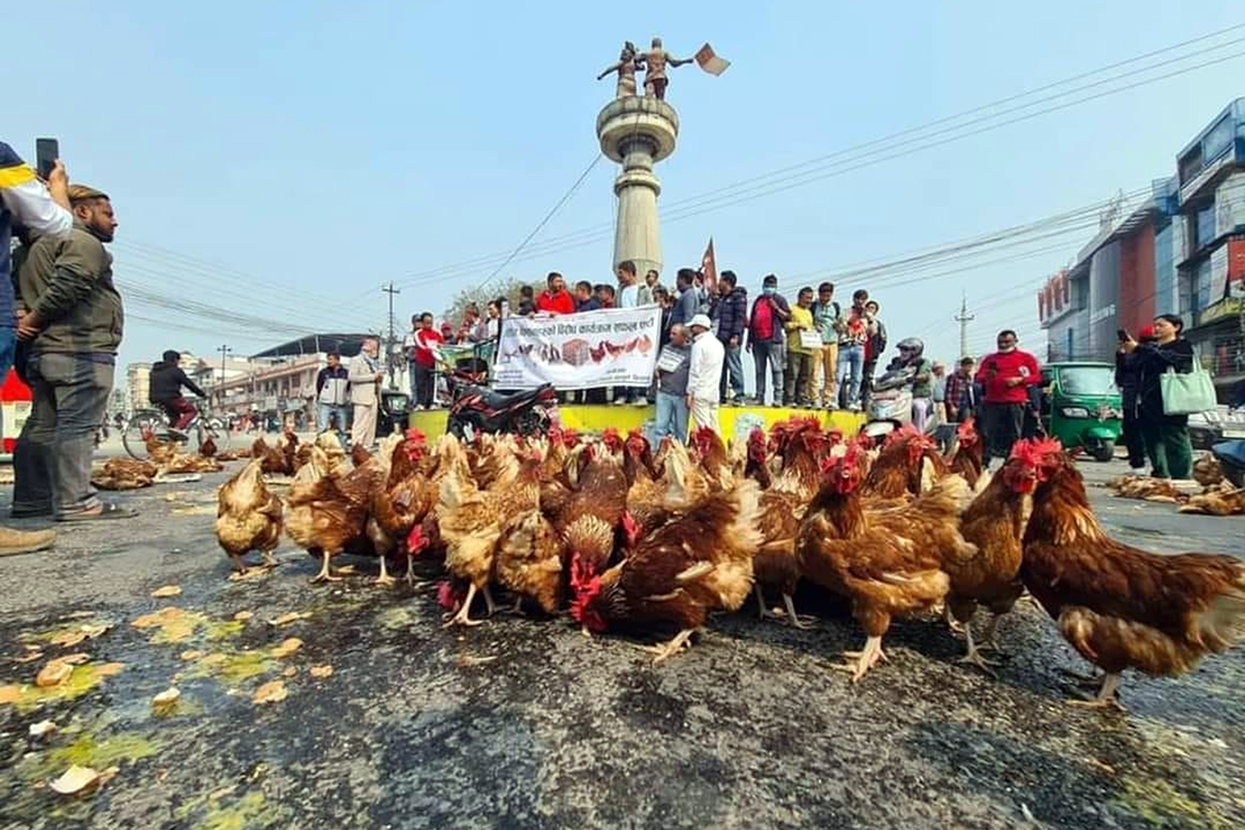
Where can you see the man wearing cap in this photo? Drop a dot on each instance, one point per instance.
(39, 210)
(704, 373)
(73, 320)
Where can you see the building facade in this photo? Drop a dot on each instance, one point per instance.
(1211, 274)
(1116, 280)
(1182, 251)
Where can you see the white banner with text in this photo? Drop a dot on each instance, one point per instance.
(610, 347)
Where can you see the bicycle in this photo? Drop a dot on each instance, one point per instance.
(202, 427)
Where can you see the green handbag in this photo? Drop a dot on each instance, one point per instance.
(1187, 393)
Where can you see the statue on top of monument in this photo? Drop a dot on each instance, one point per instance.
(627, 64)
(654, 61)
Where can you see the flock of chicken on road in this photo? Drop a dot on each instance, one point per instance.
(633, 539)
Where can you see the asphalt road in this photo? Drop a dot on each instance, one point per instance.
(524, 723)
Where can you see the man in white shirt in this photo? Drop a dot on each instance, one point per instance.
(365, 377)
(704, 373)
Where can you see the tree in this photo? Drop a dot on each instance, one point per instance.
(483, 295)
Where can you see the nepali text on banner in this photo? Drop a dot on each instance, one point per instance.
(610, 347)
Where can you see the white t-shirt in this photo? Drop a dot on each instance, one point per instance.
(629, 297)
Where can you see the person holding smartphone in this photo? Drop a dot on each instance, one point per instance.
(1128, 378)
(41, 210)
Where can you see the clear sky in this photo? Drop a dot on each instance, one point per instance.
(302, 154)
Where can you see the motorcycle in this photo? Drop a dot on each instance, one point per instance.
(479, 409)
(890, 405)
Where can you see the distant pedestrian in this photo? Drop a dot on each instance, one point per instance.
(854, 330)
(555, 299)
(605, 294)
(798, 375)
(826, 315)
(74, 325)
(672, 390)
(365, 377)
(687, 303)
(1006, 377)
(730, 320)
(333, 397)
(960, 394)
(875, 347)
(704, 374)
(767, 337)
(632, 293)
(584, 299)
(1166, 436)
(421, 353)
(1127, 377)
(653, 280)
(938, 390)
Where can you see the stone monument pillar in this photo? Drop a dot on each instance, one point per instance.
(636, 132)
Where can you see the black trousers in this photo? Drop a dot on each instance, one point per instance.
(1001, 424)
(1134, 440)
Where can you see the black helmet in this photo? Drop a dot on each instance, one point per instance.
(913, 345)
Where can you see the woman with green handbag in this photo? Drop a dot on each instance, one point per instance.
(1166, 435)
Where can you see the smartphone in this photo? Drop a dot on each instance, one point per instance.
(47, 151)
(1123, 335)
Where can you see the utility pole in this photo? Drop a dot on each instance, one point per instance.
(224, 352)
(389, 361)
(963, 318)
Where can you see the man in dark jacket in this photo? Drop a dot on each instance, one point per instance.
(1127, 378)
(767, 337)
(167, 380)
(74, 322)
(875, 347)
(730, 318)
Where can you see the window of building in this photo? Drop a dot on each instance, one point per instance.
(1202, 287)
(1219, 139)
(1204, 227)
(1191, 164)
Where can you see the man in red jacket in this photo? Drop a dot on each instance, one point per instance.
(1006, 377)
(555, 299)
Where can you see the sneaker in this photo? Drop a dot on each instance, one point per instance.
(13, 542)
(855, 407)
(639, 402)
(620, 402)
(776, 404)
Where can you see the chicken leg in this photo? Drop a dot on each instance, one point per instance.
(270, 561)
(325, 575)
(463, 617)
(670, 649)
(1107, 697)
(384, 578)
(806, 622)
(859, 662)
(987, 640)
(974, 653)
(764, 613)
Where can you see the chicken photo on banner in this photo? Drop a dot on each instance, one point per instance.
(609, 347)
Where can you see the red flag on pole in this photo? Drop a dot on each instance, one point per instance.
(709, 268)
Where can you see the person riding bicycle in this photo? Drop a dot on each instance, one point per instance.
(167, 380)
(911, 350)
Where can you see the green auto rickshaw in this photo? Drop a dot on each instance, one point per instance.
(1081, 406)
